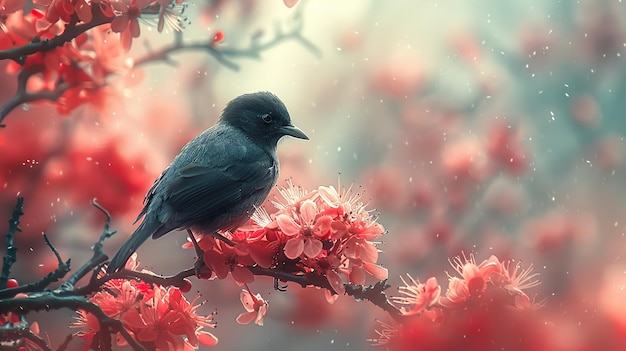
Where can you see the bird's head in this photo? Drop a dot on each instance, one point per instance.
(262, 117)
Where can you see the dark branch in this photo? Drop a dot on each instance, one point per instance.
(49, 300)
(99, 256)
(72, 30)
(373, 293)
(225, 55)
(62, 269)
(19, 331)
(11, 252)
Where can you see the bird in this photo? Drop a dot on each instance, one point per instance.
(219, 177)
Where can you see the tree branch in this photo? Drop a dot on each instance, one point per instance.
(11, 252)
(225, 55)
(50, 300)
(99, 256)
(373, 293)
(72, 30)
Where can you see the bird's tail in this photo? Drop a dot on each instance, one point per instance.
(141, 234)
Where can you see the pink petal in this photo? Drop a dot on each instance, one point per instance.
(34, 328)
(242, 275)
(287, 225)
(134, 28)
(246, 300)
(322, 226)
(308, 211)
(357, 276)
(260, 314)
(335, 282)
(294, 247)
(126, 40)
(372, 232)
(290, 3)
(329, 195)
(246, 317)
(207, 339)
(368, 252)
(330, 297)
(119, 23)
(312, 247)
(377, 271)
(83, 10)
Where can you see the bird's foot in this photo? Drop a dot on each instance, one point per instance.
(202, 270)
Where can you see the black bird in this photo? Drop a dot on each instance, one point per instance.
(218, 178)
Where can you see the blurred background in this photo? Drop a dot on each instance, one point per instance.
(493, 127)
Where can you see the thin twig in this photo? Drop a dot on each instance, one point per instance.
(11, 252)
(62, 269)
(99, 256)
(225, 55)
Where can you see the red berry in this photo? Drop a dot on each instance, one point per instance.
(218, 37)
(12, 283)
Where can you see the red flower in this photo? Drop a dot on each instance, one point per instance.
(305, 229)
(127, 21)
(223, 259)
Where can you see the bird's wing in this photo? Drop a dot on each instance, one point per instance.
(150, 195)
(206, 191)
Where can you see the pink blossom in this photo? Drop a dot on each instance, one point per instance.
(474, 278)
(255, 306)
(417, 296)
(126, 22)
(305, 230)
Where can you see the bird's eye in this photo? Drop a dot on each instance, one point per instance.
(267, 118)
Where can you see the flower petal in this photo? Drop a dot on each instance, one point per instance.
(308, 211)
(242, 275)
(335, 282)
(119, 23)
(312, 247)
(246, 317)
(329, 195)
(207, 339)
(287, 225)
(377, 271)
(294, 247)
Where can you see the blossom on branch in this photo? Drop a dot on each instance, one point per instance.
(155, 316)
(325, 236)
(488, 294)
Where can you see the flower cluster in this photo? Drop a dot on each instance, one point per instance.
(74, 71)
(323, 234)
(159, 318)
(471, 285)
(492, 286)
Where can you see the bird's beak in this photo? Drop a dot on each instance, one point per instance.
(294, 132)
